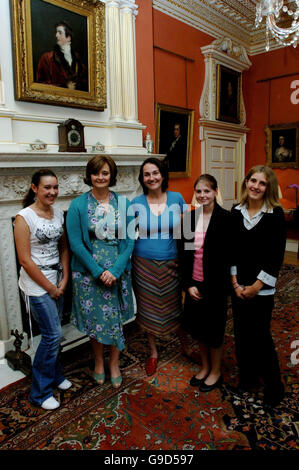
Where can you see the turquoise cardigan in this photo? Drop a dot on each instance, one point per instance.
(77, 229)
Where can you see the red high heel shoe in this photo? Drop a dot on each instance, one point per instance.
(151, 365)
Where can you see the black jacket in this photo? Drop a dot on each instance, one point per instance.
(259, 249)
(217, 251)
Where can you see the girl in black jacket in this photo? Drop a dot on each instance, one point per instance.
(205, 264)
(259, 242)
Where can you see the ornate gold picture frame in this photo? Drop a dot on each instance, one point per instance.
(282, 145)
(50, 71)
(174, 137)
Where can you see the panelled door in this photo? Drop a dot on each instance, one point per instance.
(221, 162)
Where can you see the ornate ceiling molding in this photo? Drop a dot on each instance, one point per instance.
(219, 18)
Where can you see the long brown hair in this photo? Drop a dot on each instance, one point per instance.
(29, 197)
(161, 167)
(271, 197)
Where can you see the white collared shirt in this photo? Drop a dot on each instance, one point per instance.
(249, 223)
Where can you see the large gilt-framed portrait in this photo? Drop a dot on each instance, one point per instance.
(59, 52)
(174, 136)
(282, 145)
(228, 94)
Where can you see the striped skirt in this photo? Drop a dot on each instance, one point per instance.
(158, 294)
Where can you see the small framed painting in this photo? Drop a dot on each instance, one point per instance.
(228, 94)
(282, 145)
(174, 136)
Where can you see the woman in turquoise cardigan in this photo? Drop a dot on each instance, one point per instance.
(101, 236)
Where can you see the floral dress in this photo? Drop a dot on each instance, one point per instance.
(100, 311)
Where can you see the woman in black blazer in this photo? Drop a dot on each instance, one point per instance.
(259, 238)
(205, 264)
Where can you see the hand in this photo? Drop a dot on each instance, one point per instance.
(194, 293)
(71, 85)
(56, 292)
(239, 292)
(59, 293)
(108, 279)
(62, 284)
(250, 291)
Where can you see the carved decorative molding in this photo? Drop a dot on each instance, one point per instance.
(218, 18)
(233, 51)
(226, 52)
(14, 187)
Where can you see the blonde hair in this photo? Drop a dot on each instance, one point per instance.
(271, 197)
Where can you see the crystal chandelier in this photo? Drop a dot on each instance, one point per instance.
(271, 9)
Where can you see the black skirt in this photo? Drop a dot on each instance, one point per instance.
(205, 319)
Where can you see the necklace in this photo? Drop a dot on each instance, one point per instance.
(103, 199)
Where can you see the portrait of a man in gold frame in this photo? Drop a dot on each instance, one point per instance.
(174, 138)
(50, 71)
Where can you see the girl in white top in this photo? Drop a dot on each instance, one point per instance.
(44, 259)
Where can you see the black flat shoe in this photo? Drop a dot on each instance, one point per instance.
(194, 382)
(271, 400)
(203, 387)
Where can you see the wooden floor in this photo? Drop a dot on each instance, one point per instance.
(291, 258)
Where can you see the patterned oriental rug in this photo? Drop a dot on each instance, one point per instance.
(161, 412)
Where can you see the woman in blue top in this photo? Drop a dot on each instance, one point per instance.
(97, 226)
(155, 267)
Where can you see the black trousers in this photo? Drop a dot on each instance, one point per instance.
(255, 350)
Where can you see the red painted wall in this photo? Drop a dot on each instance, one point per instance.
(145, 66)
(162, 76)
(179, 82)
(270, 103)
(162, 79)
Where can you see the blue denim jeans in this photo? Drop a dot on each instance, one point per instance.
(46, 369)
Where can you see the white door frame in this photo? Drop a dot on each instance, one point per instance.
(211, 130)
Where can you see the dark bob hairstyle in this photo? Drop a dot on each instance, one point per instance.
(95, 165)
(161, 167)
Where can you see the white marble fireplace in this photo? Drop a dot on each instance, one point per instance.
(15, 175)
